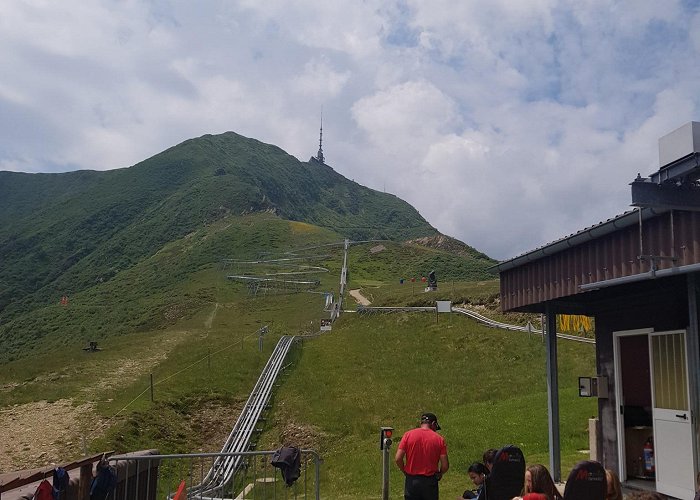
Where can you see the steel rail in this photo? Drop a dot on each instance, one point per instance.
(247, 278)
(497, 324)
(474, 315)
(391, 309)
(270, 261)
(225, 467)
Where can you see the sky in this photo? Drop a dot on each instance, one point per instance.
(507, 124)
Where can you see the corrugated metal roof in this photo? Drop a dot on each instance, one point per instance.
(586, 234)
(666, 243)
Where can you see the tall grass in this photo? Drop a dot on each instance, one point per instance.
(487, 387)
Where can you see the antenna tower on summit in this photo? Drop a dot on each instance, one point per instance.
(319, 156)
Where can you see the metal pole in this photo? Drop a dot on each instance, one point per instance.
(385, 468)
(543, 324)
(317, 458)
(693, 350)
(553, 393)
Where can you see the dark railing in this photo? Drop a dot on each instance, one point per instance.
(162, 476)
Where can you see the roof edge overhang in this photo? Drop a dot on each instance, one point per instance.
(591, 233)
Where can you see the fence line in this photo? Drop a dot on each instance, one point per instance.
(208, 356)
(151, 477)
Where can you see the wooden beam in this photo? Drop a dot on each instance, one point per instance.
(85, 482)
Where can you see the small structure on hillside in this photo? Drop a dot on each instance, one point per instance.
(92, 347)
(432, 282)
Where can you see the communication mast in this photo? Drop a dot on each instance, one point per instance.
(319, 155)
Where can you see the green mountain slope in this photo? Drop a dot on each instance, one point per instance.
(74, 233)
(176, 316)
(59, 233)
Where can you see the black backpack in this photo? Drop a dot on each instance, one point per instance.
(507, 474)
(586, 481)
(60, 483)
(104, 482)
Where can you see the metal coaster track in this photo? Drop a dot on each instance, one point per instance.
(506, 326)
(474, 315)
(224, 469)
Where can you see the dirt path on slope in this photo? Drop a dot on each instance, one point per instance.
(210, 319)
(40, 433)
(359, 298)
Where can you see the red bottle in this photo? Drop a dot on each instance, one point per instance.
(649, 467)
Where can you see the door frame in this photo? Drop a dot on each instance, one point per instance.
(619, 403)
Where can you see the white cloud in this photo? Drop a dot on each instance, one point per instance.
(506, 124)
(403, 120)
(320, 80)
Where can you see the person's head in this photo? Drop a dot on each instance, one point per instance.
(477, 473)
(489, 456)
(429, 420)
(538, 480)
(614, 487)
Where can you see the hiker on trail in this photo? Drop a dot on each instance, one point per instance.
(422, 457)
(477, 473)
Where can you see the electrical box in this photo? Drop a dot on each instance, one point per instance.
(593, 387)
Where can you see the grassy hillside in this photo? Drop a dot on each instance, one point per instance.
(156, 291)
(68, 233)
(487, 387)
(163, 288)
(413, 260)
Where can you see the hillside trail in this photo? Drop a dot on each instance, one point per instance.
(210, 319)
(45, 432)
(359, 298)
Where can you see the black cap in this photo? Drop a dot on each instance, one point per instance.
(429, 418)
